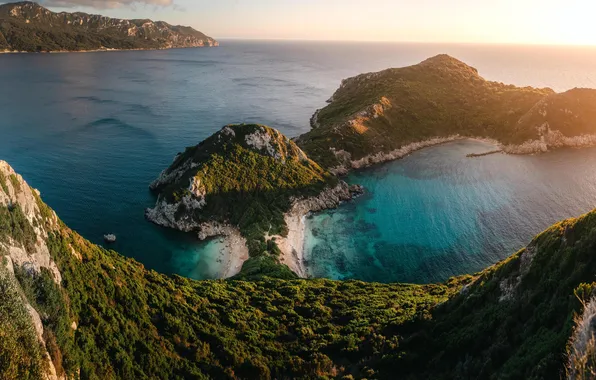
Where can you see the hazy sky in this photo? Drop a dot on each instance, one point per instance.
(507, 21)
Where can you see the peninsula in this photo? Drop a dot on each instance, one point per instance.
(29, 27)
(383, 116)
(251, 185)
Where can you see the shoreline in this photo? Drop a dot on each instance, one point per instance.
(233, 254)
(292, 246)
(551, 141)
(397, 154)
(104, 50)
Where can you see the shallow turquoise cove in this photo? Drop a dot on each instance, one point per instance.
(437, 213)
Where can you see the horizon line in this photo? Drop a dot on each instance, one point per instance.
(510, 43)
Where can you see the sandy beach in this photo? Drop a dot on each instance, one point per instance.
(233, 254)
(292, 246)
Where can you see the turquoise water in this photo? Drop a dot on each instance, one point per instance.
(437, 213)
(91, 131)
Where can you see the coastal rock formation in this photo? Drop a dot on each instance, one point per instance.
(29, 27)
(382, 116)
(245, 179)
(25, 225)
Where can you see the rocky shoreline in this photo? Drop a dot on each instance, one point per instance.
(549, 141)
(215, 44)
(292, 246)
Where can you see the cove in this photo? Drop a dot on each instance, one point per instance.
(438, 213)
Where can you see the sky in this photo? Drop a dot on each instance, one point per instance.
(460, 21)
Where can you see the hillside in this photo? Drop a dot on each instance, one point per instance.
(70, 307)
(382, 116)
(29, 27)
(107, 317)
(249, 180)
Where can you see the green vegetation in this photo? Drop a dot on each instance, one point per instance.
(50, 301)
(29, 27)
(440, 97)
(3, 183)
(513, 320)
(134, 323)
(244, 185)
(20, 353)
(14, 225)
(16, 185)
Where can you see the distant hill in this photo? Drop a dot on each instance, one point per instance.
(29, 27)
(381, 116)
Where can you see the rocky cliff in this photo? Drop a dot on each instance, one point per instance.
(25, 224)
(382, 116)
(27, 26)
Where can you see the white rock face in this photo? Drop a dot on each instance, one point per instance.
(20, 193)
(261, 141)
(15, 191)
(582, 342)
(176, 215)
(551, 139)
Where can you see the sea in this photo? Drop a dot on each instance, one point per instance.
(92, 130)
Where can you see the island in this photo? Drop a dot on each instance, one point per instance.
(29, 27)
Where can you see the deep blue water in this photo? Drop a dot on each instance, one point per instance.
(92, 130)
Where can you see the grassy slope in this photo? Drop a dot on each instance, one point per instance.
(438, 97)
(246, 187)
(135, 323)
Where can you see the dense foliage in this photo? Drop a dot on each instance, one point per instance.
(515, 320)
(20, 353)
(134, 323)
(26, 26)
(440, 97)
(110, 318)
(244, 185)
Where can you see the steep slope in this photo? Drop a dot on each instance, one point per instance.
(27, 26)
(110, 318)
(106, 317)
(245, 177)
(515, 319)
(382, 116)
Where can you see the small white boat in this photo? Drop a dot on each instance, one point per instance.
(109, 238)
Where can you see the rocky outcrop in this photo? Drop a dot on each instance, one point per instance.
(33, 255)
(24, 27)
(14, 191)
(549, 140)
(582, 345)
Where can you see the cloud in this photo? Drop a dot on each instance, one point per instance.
(105, 4)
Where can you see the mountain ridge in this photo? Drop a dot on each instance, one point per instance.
(385, 115)
(29, 27)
